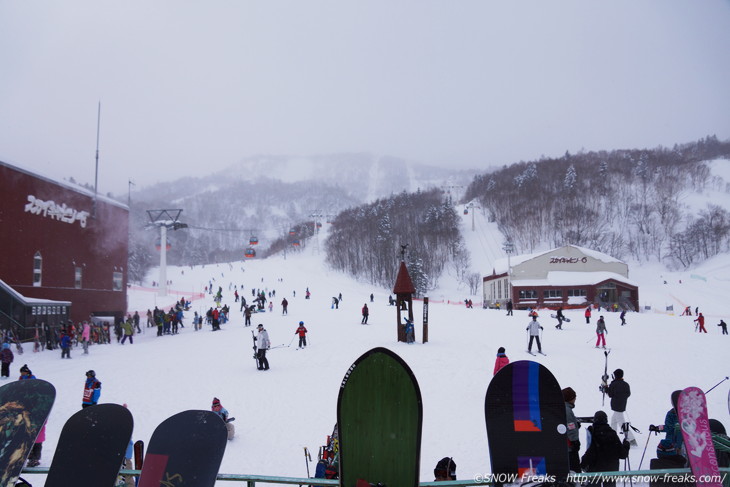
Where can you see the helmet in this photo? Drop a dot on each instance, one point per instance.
(301, 322)
(90, 373)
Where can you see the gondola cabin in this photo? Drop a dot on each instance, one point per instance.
(158, 245)
(295, 242)
(292, 232)
(466, 212)
(250, 253)
(253, 241)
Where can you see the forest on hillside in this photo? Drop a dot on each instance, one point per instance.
(626, 203)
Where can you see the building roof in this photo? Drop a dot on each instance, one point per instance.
(403, 283)
(501, 265)
(574, 278)
(29, 301)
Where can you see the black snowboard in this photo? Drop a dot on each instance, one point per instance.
(24, 408)
(185, 449)
(379, 417)
(91, 447)
(525, 415)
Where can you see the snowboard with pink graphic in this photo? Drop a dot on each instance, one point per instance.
(692, 411)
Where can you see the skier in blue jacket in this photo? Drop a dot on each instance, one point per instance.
(92, 390)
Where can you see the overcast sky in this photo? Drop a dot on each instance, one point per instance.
(187, 87)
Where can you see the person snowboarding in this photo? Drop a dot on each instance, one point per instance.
(222, 412)
(723, 327)
(302, 332)
(573, 433)
(619, 392)
(587, 314)
(365, 314)
(605, 449)
(534, 330)
(559, 315)
(92, 390)
(263, 343)
(671, 447)
(601, 332)
(700, 320)
(501, 360)
(6, 357)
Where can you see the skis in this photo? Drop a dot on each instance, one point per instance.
(604, 378)
(91, 447)
(255, 351)
(379, 418)
(535, 355)
(185, 448)
(525, 417)
(692, 416)
(24, 408)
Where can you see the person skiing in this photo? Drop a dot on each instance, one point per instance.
(501, 361)
(365, 314)
(335, 303)
(700, 320)
(247, 315)
(284, 305)
(619, 392)
(601, 332)
(92, 390)
(587, 314)
(128, 328)
(302, 332)
(573, 433)
(6, 357)
(723, 327)
(65, 345)
(534, 330)
(263, 343)
(605, 449)
(222, 412)
(559, 315)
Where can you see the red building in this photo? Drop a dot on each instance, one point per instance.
(59, 243)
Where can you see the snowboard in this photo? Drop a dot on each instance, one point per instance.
(185, 449)
(24, 408)
(526, 422)
(91, 447)
(379, 419)
(692, 416)
(566, 320)
(138, 454)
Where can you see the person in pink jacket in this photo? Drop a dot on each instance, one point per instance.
(86, 336)
(501, 361)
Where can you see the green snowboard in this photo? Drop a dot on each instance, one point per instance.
(379, 418)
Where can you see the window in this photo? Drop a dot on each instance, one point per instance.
(37, 269)
(552, 293)
(499, 289)
(117, 281)
(528, 294)
(576, 292)
(77, 277)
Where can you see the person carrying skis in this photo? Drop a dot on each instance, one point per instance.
(573, 425)
(501, 361)
(723, 327)
(222, 412)
(365, 314)
(534, 329)
(559, 315)
(700, 320)
(92, 390)
(6, 357)
(263, 343)
(601, 332)
(605, 449)
(302, 332)
(619, 392)
(587, 314)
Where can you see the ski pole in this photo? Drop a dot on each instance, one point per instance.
(723, 380)
(645, 447)
(307, 459)
(292, 339)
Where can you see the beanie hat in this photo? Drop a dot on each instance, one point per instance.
(568, 394)
(24, 368)
(618, 373)
(500, 350)
(216, 401)
(600, 418)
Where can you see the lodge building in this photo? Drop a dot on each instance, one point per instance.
(63, 253)
(568, 276)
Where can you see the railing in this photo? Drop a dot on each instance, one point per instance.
(639, 477)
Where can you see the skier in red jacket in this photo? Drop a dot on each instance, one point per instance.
(700, 320)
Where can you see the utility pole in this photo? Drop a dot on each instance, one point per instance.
(316, 216)
(508, 246)
(96, 169)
